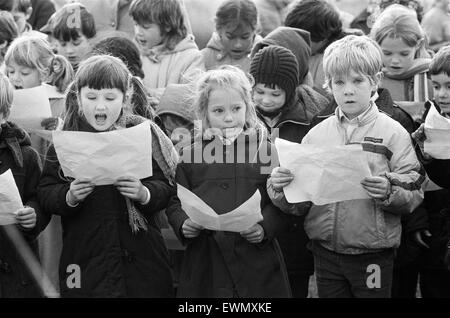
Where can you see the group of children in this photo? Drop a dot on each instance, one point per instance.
(243, 92)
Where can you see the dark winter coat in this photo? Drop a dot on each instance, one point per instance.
(16, 154)
(97, 237)
(224, 264)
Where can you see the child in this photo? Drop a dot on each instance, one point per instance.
(16, 154)
(434, 274)
(169, 54)
(231, 44)
(348, 237)
(22, 11)
(285, 112)
(405, 57)
(217, 263)
(8, 32)
(100, 235)
(72, 27)
(299, 43)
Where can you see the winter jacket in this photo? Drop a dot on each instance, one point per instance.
(376, 226)
(97, 237)
(180, 65)
(214, 55)
(16, 154)
(224, 264)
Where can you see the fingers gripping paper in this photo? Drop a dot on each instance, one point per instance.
(238, 220)
(105, 156)
(437, 130)
(10, 200)
(323, 175)
(30, 107)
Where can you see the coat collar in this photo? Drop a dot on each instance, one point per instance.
(363, 119)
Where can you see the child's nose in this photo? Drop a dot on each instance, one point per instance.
(348, 89)
(228, 117)
(238, 44)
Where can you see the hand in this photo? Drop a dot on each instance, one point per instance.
(132, 188)
(191, 229)
(79, 190)
(377, 187)
(50, 123)
(418, 237)
(280, 178)
(26, 217)
(419, 136)
(255, 234)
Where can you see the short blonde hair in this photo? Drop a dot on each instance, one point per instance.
(225, 77)
(6, 95)
(358, 53)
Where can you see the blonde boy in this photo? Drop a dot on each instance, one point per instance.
(353, 241)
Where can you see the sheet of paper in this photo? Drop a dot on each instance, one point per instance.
(238, 220)
(437, 130)
(323, 175)
(105, 156)
(10, 200)
(30, 107)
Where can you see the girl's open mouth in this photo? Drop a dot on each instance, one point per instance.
(100, 119)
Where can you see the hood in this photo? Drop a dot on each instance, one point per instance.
(177, 100)
(13, 137)
(296, 40)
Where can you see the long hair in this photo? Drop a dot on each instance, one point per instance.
(6, 95)
(36, 53)
(100, 72)
(398, 21)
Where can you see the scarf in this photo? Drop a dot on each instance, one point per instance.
(164, 154)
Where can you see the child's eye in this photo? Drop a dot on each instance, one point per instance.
(387, 53)
(76, 43)
(237, 108)
(338, 82)
(25, 73)
(404, 54)
(217, 111)
(276, 94)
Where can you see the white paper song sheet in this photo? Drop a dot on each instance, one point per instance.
(105, 156)
(238, 220)
(10, 201)
(30, 106)
(437, 130)
(323, 175)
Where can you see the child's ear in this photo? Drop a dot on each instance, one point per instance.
(28, 13)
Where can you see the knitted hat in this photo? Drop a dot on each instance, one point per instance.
(177, 99)
(276, 65)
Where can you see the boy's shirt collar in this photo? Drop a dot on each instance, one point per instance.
(368, 115)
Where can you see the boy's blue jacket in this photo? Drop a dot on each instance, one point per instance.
(361, 226)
